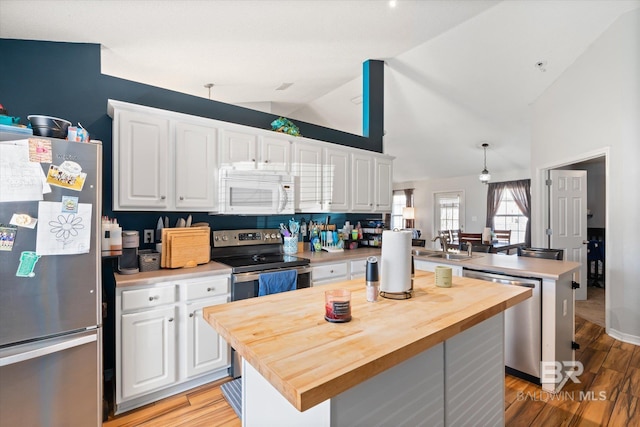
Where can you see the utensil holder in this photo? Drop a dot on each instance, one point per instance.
(290, 245)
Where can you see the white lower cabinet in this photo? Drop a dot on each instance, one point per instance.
(206, 350)
(148, 350)
(163, 344)
(456, 270)
(357, 268)
(329, 273)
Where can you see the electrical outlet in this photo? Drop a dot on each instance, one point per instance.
(148, 236)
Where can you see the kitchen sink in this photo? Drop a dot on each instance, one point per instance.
(450, 256)
(425, 252)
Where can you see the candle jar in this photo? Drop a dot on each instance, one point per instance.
(337, 305)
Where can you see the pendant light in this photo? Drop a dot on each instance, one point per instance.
(485, 176)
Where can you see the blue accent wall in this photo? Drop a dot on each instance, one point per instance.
(64, 80)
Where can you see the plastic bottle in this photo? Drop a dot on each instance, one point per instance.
(116, 238)
(106, 236)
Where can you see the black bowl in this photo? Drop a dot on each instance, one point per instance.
(47, 126)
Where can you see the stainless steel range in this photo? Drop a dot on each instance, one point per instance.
(249, 253)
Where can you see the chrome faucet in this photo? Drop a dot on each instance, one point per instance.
(444, 241)
(469, 248)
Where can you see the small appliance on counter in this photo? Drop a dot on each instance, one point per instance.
(128, 261)
(396, 263)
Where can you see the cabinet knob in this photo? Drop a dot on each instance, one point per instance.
(253, 160)
(266, 161)
(170, 319)
(191, 314)
(163, 197)
(331, 271)
(154, 297)
(181, 198)
(211, 289)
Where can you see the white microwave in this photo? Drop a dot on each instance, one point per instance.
(245, 192)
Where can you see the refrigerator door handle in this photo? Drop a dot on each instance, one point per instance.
(43, 351)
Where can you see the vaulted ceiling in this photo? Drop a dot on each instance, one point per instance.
(457, 73)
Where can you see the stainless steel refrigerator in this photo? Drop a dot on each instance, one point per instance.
(50, 275)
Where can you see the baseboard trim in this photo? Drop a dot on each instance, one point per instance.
(621, 336)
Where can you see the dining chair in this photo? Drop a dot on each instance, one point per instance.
(503, 236)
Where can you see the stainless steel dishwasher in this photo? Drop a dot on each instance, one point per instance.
(522, 325)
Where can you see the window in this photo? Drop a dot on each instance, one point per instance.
(509, 208)
(399, 202)
(510, 217)
(448, 211)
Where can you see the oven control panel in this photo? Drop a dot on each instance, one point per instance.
(222, 238)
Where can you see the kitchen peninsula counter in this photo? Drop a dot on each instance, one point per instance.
(329, 373)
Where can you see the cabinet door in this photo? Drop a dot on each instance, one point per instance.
(140, 166)
(148, 350)
(206, 350)
(383, 185)
(362, 174)
(275, 154)
(307, 167)
(336, 180)
(195, 166)
(238, 149)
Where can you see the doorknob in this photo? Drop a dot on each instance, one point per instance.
(585, 242)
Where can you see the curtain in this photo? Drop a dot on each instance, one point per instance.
(521, 191)
(494, 194)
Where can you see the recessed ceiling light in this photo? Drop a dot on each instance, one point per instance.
(393, 3)
(284, 86)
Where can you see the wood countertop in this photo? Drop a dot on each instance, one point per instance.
(309, 360)
(347, 254)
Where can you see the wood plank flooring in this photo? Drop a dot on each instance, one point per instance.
(610, 387)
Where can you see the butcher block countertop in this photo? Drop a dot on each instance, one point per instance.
(309, 360)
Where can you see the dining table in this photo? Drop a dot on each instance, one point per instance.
(497, 247)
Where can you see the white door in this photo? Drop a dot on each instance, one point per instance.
(195, 151)
(206, 350)
(335, 180)
(568, 206)
(148, 350)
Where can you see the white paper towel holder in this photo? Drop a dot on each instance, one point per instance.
(398, 295)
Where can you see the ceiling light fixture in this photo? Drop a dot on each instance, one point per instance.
(209, 86)
(392, 3)
(485, 176)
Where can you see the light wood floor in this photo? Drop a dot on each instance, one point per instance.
(611, 371)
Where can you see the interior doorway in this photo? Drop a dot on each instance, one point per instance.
(594, 307)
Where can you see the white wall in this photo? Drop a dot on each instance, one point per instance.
(595, 104)
(475, 199)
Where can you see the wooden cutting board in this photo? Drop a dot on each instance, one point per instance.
(185, 247)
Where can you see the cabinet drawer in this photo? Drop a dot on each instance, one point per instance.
(150, 297)
(330, 271)
(207, 287)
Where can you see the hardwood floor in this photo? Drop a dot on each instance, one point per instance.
(610, 387)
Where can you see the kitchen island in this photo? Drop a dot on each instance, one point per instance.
(434, 359)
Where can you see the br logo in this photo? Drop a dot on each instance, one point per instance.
(554, 372)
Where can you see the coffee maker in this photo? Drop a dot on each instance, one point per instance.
(128, 261)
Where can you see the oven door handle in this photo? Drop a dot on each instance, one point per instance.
(250, 277)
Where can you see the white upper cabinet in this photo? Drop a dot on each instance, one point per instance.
(195, 155)
(248, 150)
(336, 181)
(362, 179)
(307, 168)
(383, 183)
(140, 161)
(275, 154)
(162, 161)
